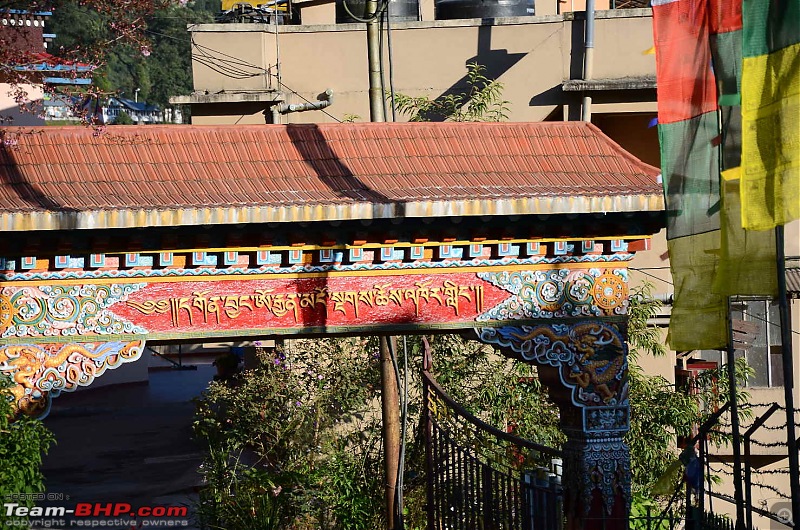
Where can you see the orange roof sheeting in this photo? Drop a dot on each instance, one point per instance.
(130, 176)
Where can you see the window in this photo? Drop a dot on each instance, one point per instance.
(763, 352)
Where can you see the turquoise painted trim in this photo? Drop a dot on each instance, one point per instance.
(322, 268)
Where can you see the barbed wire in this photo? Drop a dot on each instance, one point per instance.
(760, 443)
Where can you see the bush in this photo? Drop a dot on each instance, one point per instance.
(299, 424)
(23, 443)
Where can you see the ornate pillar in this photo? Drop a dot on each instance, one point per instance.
(584, 365)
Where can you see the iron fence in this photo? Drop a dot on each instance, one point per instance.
(480, 477)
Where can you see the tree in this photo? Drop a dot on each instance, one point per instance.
(128, 44)
(159, 66)
(123, 118)
(659, 411)
(23, 442)
(480, 102)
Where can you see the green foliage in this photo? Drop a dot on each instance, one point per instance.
(170, 64)
(646, 514)
(351, 489)
(23, 443)
(641, 336)
(123, 118)
(658, 414)
(299, 423)
(502, 392)
(160, 68)
(306, 422)
(238, 496)
(481, 101)
(659, 411)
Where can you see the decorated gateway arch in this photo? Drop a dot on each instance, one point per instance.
(518, 232)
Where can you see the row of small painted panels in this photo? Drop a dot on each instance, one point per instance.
(297, 256)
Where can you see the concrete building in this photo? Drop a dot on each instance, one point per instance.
(242, 70)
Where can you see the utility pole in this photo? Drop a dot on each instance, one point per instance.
(788, 374)
(390, 404)
(390, 397)
(373, 59)
(737, 443)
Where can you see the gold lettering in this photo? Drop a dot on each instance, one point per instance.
(478, 290)
(148, 307)
(381, 298)
(342, 298)
(201, 303)
(284, 303)
(449, 294)
(262, 298)
(453, 293)
(367, 297)
(175, 305)
(396, 296)
(319, 296)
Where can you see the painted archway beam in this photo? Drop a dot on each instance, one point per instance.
(40, 372)
(584, 365)
(93, 319)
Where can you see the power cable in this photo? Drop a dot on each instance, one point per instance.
(229, 67)
(367, 20)
(214, 63)
(380, 56)
(391, 59)
(755, 317)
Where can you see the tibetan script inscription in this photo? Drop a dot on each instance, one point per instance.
(305, 301)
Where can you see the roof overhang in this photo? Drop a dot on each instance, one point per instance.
(140, 218)
(66, 178)
(265, 96)
(622, 83)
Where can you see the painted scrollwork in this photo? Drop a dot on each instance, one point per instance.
(590, 355)
(591, 360)
(559, 293)
(64, 310)
(42, 371)
(599, 463)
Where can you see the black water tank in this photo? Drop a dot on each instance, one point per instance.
(399, 10)
(455, 9)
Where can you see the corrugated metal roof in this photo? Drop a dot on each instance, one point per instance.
(793, 281)
(131, 176)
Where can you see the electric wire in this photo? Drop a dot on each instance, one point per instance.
(391, 59)
(230, 66)
(209, 60)
(235, 68)
(367, 20)
(380, 58)
(668, 282)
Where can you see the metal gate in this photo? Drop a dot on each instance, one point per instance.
(480, 477)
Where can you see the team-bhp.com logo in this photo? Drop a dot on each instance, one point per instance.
(98, 514)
